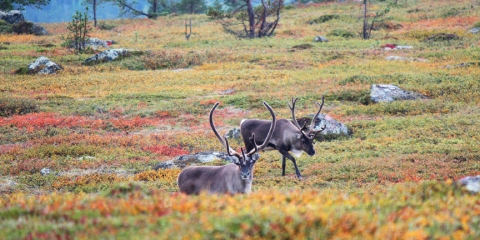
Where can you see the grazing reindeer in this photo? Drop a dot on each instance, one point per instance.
(287, 136)
(232, 178)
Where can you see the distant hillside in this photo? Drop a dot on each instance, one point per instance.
(62, 11)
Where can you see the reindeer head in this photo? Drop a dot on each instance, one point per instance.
(305, 136)
(245, 161)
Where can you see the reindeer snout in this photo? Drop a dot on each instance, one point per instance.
(245, 175)
(311, 152)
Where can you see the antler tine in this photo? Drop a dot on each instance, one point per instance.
(255, 146)
(312, 124)
(244, 157)
(292, 109)
(230, 151)
(270, 132)
(225, 144)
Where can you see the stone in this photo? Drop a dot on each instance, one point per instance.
(45, 171)
(474, 30)
(38, 30)
(472, 184)
(234, 134)
(12, 17)
(194, 159)
(399, 58)
(390, 93)
(43, 65)
(332, 126)
(320, 39)
(109, 55)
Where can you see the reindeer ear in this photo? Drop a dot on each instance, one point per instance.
(255, 156)
(297, 135)
(236, 161)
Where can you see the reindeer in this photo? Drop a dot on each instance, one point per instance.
(232, 178)
(287, 136)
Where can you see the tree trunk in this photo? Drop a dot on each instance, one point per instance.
(94, 6)
(154, 6)
(365, 22)
(251, 19)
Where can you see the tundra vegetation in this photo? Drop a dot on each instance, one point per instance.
(100, 129)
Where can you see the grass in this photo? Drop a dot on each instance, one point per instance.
(101, 129)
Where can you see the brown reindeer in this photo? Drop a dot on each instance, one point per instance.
(287, 136)
(232, 178)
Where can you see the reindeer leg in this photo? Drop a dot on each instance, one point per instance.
(285, 154)
(283, 165)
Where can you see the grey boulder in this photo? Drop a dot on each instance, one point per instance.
(390, 93)
(43, 65)
(470, 183)
(194, 159)
(12, 17)
(109, 55)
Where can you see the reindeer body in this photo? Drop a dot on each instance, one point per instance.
(288, 136)
(214, 180)
(232, 178)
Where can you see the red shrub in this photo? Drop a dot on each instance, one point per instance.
(166, 150)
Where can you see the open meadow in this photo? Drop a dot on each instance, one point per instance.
(101, 129)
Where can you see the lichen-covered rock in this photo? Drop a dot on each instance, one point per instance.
(45, 171)
(390, 93)
(234, 134)
(43, 65)
(332, 126)
(109, 55)
(474, 30)
(193, 159)
(38, 30)
(320, 39)
(472, 184)
(399, 58)
(12, 17)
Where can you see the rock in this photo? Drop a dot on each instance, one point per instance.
(333, 128)
(45, 171)
(193, 159)
(12, 17)
(227, 92)
(472, 184)
(95, 42)
(320, 39)
(390, 93)
(234, 134)
(396, 47)
(398, 58)
(464, 64)
(38, 30)
(109, 55)
(26, 27)
(474, 30)
(43, 65)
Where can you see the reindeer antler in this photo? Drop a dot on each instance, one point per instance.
(292, 109)
(269, 135)
(232, 152)
(312, 124)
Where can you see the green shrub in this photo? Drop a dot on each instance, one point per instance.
(341, 33)
(105, 26)
(10, 106)
(324, 18)
(303, 46)
(5, 27)
(362, 96)
(22, 27)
